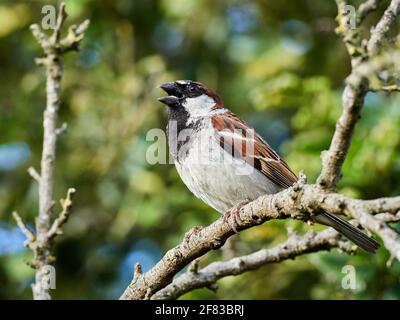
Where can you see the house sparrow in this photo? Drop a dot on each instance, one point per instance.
(223, 161)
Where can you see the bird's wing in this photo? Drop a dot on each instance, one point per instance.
(240, 140)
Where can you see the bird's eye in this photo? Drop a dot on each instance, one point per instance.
(192, 91)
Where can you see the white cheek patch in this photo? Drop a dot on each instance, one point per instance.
(199, 106)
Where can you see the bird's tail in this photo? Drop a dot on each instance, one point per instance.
(348, 230)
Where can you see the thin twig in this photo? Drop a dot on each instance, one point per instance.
(366, 8)
(62, 129)
(56, 227)
(62, 15)
(137, 271)
(34, 174)
(30, 236)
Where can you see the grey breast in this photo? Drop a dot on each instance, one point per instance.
(217, 178)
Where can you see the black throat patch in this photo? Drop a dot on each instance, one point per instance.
(179, 132)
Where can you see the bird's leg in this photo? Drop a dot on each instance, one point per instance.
(189, 234)
(232, 216)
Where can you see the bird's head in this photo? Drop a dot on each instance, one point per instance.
(191, 97)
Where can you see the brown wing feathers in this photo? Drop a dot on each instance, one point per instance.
(252, 148)
(232, 136)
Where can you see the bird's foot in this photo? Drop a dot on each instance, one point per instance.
(189, 234)
(232, 216)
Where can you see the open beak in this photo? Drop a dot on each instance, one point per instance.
(169, 101)
(174, 92)
(171, 88)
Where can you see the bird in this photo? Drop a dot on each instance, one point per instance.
(224, 161)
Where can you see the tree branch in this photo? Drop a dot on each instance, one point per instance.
(298, 202)
(366, 8)
(379, 33)
(353, 95)
(293, 247)
(53, 48)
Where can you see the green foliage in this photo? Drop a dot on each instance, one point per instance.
(278, 64)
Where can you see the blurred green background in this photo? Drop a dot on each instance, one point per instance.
(278, 64)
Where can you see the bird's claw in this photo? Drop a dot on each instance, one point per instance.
(232, 216)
